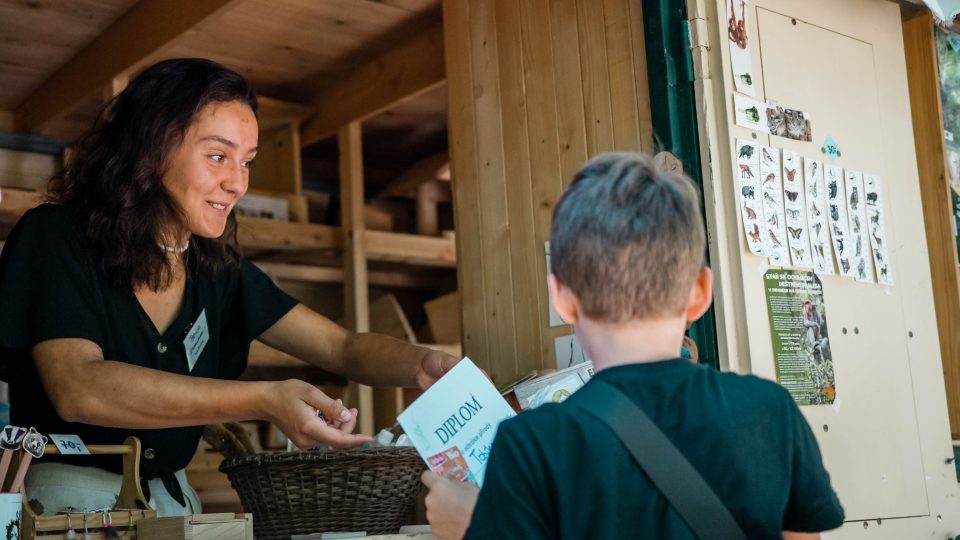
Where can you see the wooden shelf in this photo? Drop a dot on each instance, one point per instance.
(257, 233)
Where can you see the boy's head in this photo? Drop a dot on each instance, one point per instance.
(628, 240)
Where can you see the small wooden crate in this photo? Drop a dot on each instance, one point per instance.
(197, 527)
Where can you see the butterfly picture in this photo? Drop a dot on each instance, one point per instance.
(793, 214)
(792, 195)
(791, 174)
(795, 232)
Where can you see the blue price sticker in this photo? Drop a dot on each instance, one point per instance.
(831, 149)
(69, 444)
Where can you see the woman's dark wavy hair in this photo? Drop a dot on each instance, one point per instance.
(112, 182)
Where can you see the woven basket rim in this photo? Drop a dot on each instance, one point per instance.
(319, 455)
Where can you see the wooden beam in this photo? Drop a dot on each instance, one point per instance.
(411, 249)
(435, 167)
(273, 113)
(132, 41)
(326, 274)
(925, 104)
(405, 71)
(257, 233)
(6, 121)
(355, 285)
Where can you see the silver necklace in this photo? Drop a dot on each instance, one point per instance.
(175, 249)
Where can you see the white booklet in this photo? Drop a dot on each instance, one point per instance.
(453, 424)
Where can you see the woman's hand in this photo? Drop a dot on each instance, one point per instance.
(433, 365)
(293, 407)
(449, 505)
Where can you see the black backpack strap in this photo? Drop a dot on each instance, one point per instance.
(671, 473)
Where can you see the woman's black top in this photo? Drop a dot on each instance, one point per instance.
(50, 287)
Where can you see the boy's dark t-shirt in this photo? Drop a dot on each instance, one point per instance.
(555, 472)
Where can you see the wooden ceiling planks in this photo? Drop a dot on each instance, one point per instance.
(40, 36)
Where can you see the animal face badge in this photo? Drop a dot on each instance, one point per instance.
(11, 438)
(33, 443)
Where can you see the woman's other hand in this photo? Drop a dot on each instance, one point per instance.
(293, 407)
(449, 505)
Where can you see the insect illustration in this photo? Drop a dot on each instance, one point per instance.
(883, 271)
(791, 175)
(773, 219)
(770, 177)
(798, 253)
(745, 151)
(794, 214)
(773, 239)
(872, 198)
(792, 195)
(795, 232)
(747, 192)
(845, 263)
(833, 190)
(854, 197)
(751, 213)
(834, 212)
(745, 171)
(755, 233)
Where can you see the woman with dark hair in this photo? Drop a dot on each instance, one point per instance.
(128, 310)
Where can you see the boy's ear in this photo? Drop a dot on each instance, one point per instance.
(564, 301)
(701, 295)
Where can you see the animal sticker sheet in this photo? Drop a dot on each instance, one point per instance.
(837, 218)
(740, 60)
(876, 227)
(818, 226)
(794, 208)
(751, 208)
(859, 242)
(775, 235)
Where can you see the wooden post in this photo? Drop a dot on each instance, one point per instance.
(356, 293)
(923, 79)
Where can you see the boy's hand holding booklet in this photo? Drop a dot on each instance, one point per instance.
(453, 424)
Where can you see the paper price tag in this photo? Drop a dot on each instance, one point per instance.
(69, 444)
(831, 149)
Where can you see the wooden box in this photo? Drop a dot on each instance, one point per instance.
(197, 527)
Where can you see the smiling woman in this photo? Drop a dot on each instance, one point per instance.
(128, 309)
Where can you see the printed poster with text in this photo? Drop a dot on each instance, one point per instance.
(798, 325)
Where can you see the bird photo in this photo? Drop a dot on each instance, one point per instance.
(773, 240)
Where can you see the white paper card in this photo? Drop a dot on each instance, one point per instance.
(740, 61)
(196, 340)
(750, 113)
(876, 225)
(775, 235)
(568, 352)
(817, 225)
(795, 210)
(751, 207)
(837, 215)
(859, 240)
(453, 424)
(69, 444)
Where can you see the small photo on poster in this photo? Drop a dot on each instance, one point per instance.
(801, 347)
(750, 113)
(789, 123)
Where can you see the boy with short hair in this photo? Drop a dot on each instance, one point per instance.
(627, 246)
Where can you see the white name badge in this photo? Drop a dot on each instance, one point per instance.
(196, 340)
(69, 444)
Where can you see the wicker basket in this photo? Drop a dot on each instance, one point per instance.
(368, 489)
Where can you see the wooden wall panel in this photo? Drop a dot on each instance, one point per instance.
(923, 77)
(536, 87)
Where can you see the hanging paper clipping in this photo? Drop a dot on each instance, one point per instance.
(798, 324)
